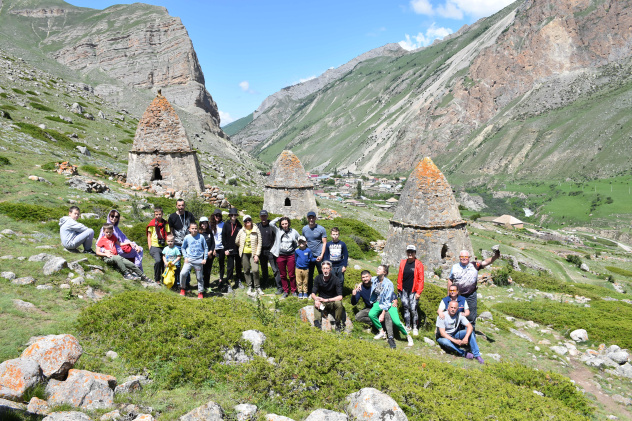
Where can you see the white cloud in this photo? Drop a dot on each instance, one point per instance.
(457, 9)
(245, 86)
(422, 40)
(225, 118)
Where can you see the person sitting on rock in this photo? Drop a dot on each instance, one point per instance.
(107, 247)
(456, 332)
(126, 248)
(327, 296)
(74, 234)
(384, 301)
(453, 295)
(362, 291)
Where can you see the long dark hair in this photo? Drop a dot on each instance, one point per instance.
(213, 225)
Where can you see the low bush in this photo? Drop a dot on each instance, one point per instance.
(576, 260)
(502, 275)
(18, 91)
(91, 170)
(4, 161)
(183, 341)
(545, 282)
(49, 166)
(31, 213)
(619, 271)
(32, 93)
(48, 135)
(40, 107)
(7, 107)
(56, 119)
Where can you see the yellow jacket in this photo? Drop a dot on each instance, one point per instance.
(255, 240)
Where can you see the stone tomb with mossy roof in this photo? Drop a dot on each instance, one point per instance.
(427, 216)
(289, 191)
(161, 155)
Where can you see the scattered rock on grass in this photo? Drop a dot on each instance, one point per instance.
(111, 416)
(579, 335)
(16, 376)
(372, 405)
(27, 280)
(54, 265)
(83, 389)
(8, 275)
(56, 354)
(130, 386)
(275, 417)
(67, 416)
(111, 355)
(326, 415)
(245, 412)
(38, 406)
(211, 412)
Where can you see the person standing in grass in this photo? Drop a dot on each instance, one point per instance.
(233, 262)
(206, 231)
(456, 332)
(285, 243)
(179, 222)
(336, 252)
(410, 284)
(268, 235)
(249, 243)
(157, 231)
(316, 237)
(383, 298)
(303, 257)
(74, 234)
(219, 246)
(195, 252)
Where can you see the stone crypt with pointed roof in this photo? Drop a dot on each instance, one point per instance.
(289, 191)
(428, 217)
(161, 154)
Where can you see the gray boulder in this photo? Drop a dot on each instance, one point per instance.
(275, 417)
(584, 267)
(326, 415)
(128, 387)
(246, 412)
(371, 404)
(27, 280)
(486, 315)
(55, 354)
(561, 350)
(579, 335)
(84, 150)
(619, 357)
(54, 265)
(238, 355)
(76, 108)
(42, 257)
(83, 389)
(209, 412)
(8, 275)
(9, 407)
(67, 416)
(16, 376)
(38, 406)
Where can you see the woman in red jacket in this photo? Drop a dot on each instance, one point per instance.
(410, 284)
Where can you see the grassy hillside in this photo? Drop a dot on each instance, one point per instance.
(232, 128)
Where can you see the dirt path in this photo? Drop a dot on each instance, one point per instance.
(583, 377)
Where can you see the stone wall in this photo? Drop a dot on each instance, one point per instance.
(436, 248)
(181, 171)
(302, 201)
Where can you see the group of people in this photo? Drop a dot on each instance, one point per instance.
(240, 247)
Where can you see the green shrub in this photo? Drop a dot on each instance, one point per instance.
(428, 304)
(91, 170)
(182, 342)
(5, 114)
(40, 107)
(502, 275)
(232, 181)
(4, 161)
(251, 205)
(49, 166)
(438, 272)
(475, 216)
(49, 136)
(576, 260)
(619, 271)
(4, 95)
(56, 119)
(126, 141)
(83, 104)
(31, 213)
(18, 91)
(8, 107)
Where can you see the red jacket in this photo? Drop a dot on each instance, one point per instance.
(418, 284)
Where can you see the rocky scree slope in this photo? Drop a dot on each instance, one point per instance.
(522, 92)
(125, 53)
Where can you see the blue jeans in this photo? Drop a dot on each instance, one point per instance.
(449, 345)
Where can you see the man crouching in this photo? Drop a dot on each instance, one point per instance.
(455, 331)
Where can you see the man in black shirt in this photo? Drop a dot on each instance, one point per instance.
(268, 235)
(362, 292)
(229, 234)
(327, 296)
(179, 223)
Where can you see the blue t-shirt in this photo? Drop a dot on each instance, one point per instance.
(337, 254)
(314, 237)
(171, 254)
(303, 258)
(459, 299)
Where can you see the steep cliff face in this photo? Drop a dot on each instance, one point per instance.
(539, 89)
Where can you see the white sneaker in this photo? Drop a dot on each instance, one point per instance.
(259, 291)
(415, 332)
(410, 340)
(249, 291)
(407, 329)
(380, 335)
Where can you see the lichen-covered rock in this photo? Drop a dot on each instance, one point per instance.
(111, 416)
(129, 387)
(8, 407)
(371, 404)
(275, 417)
(245, 412)
(67, 416)
(38, 406)
(16, 376)
(26, 280)
(54, 265)
(209, 412)
(326, 415)
(144, 417)
(83, 389)
(579, 335)
(56, 354)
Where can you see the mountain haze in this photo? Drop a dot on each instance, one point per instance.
(540, 89)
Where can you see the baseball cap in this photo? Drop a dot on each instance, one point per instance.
(233, 211)
(247, 218)
(217, 212)
(411, 247)
(311, 213)
(263, 212)
(204, 219)
(302, 239)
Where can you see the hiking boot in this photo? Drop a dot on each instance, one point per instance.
(284, 295)
(229, 289)
(415, 332)
(391, 342)
(294, 294)
(128, 276)
(469, 355)
(89, 251)
(279, 292)
(144, 278)
(380, 335)
(317, 324)
(480, 360)
(339, 327)
(200, 295)
(259, 291)
(410, 340)
(183, 292)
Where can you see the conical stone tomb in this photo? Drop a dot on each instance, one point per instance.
(162, 154)
(428, 217)
(289, 191)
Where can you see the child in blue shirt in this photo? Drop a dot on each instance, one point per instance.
(303, 257)
(195, 252)
(336, 252)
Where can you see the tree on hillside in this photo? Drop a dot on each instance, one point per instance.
(359, 189)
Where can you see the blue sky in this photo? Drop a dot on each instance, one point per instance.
(251, 49)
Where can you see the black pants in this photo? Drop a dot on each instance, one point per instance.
(233, 262)
(265, 258)
(208, 266)
(471, 300)
(220, 259)
(310, 276)
(159, 266)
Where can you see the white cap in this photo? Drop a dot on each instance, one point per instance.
(411, 247)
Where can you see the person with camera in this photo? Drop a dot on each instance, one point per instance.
(157, 231)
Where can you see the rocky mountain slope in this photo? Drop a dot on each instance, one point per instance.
(540, 89)
(124, 54)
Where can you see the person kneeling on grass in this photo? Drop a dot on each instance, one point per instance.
(106, 248)
(195, 252)
(384, 301)
(455, 331)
